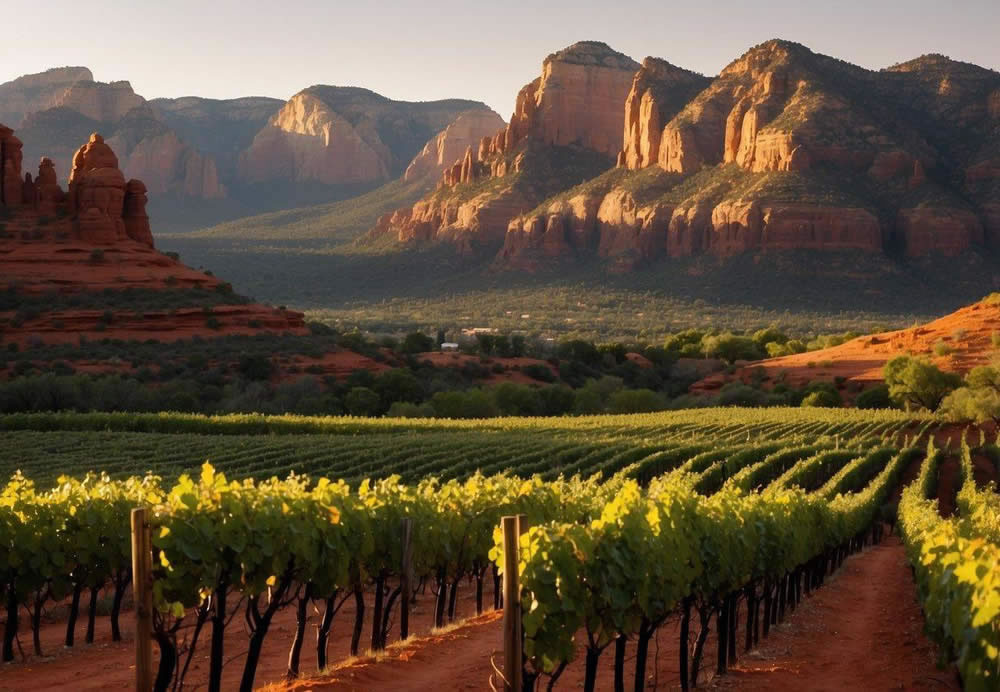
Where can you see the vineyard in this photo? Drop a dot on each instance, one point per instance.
(718, 520)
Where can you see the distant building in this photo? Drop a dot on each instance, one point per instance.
(449, 346)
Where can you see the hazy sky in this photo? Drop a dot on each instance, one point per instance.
(455, 48)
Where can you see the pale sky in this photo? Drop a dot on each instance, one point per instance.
(455, 48)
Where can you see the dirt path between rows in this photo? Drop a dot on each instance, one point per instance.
(948, 482)
(106, 665)
(861, 631)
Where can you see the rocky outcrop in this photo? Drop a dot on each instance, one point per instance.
(345, 135)
(103, 102)
(100, 208)
(578, 99)
(616, 226)
(573, 107)
(10, 168)
(659, 90)
(455, 142)
(786, 149)
(939, 231)
(167, 164)
(97, 193)
(149, 149)
(35, 92)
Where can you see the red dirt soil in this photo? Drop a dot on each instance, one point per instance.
(947, 485)
(49, 265)
(69, 326)
(983, 470)
(862, 630)
(109, 665)
(967, 331)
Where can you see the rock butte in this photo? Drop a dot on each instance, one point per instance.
(576, 101)
(348, 135)
(770, 113)
(64, 99)
(861, 361)
(96, 236)
(784, 149)
(451, 144)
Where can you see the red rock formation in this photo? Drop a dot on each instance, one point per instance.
(103, 102)
(10, 168)
(576, 102)
(35, 92)
(100, 207)
(782, 110)
(469, 129)
(935, 230)
(97, 193)
(659, 90)
(50, 195)
(134, 213)
(616, 226)
(334, 135)
(166, 164)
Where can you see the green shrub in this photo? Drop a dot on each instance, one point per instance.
(874, 398)
(822, 399)
(916, 383)
(636, 401)
(942, 349)
(361, 401)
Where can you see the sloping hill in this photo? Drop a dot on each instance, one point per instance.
(957, 342)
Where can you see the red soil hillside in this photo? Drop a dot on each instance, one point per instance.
(968, 333)
(96, 238)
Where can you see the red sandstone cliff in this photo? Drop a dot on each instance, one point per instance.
(75, 103)
(566, 122)
(95, 237)
(35, 92)
(345, 135)
(450, 145)
(786, 149)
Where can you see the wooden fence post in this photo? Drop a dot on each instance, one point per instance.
(511, 606)
(142, 581)
(405, 579)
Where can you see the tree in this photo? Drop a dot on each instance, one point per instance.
(398, 384)
(874, 398)
(256, 366)
(730, 347)
(636, 401)
(474, 403)
(556, 400)
(417, 342)
(487, 343)
(501, 345)
(517, 345)
(968, 404)
(916, 383)
(770, 335)
(362, 401)
(978, 400)
(579, 350)
(514, 399)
